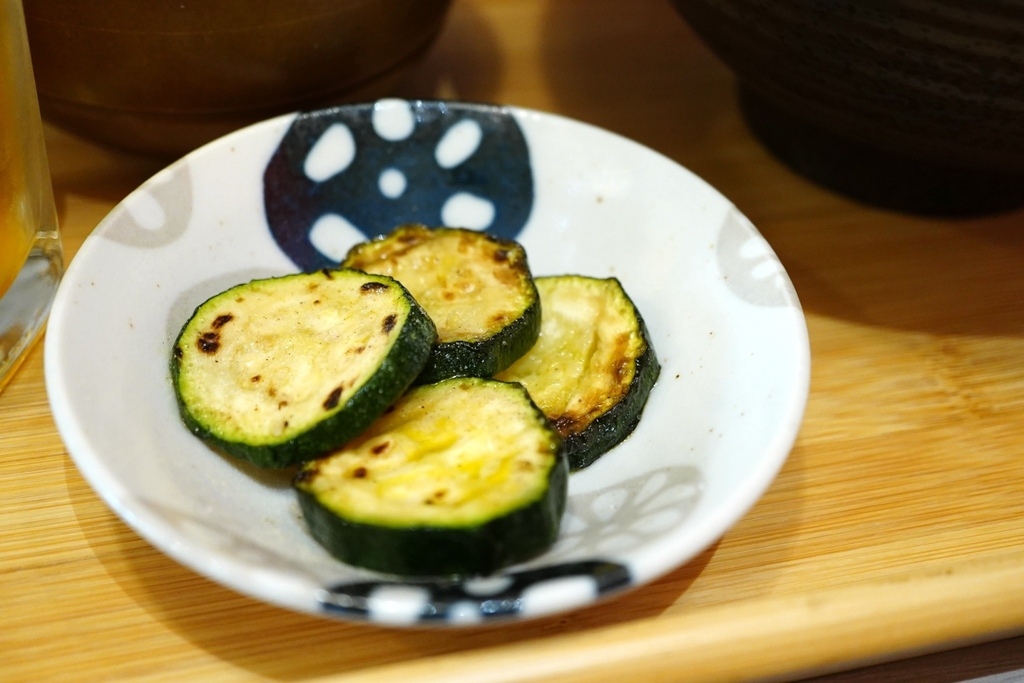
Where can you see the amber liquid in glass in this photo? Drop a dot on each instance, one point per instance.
(31, 263)
(16, 226)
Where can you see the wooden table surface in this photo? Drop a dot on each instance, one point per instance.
(896, 526)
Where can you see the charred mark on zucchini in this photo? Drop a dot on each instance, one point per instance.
(435, 498)
(208, 342)
(222, 320)
(331, 402)
(566, 424)
(389, 323)
(373, 287)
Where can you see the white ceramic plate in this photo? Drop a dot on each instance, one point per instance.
(294, 193)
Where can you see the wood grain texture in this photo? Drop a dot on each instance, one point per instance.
(895, 527)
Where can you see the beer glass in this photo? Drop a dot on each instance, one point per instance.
(31, 262)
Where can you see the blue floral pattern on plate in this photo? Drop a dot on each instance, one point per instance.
(434, 163)
(473, 600)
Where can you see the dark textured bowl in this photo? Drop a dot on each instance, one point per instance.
(898, 101)
(165, 77)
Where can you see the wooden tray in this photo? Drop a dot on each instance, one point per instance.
(896, 527)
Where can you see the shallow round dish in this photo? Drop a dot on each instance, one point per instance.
(293, 193)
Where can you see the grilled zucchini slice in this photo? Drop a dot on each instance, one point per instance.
(279, 370)
(593, 366)
(477, 289)
(458, 478)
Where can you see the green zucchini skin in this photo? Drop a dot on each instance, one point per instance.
(439, 551)
(454, 544)
(581, 415)
(403, 362)
(482, 352)
(484, 357)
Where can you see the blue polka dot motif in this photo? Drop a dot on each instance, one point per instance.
(371, 167)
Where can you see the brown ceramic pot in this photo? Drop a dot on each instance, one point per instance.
(164, 77)
(927, 96)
